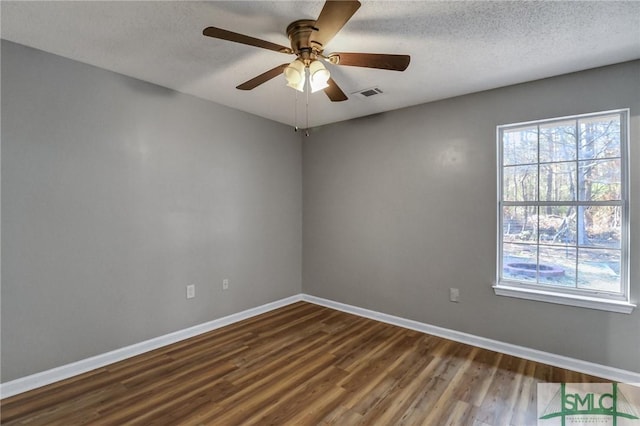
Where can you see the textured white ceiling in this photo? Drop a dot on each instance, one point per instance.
(456, 47)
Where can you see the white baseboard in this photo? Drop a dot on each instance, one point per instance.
(37, 380)
(47, 377)
(603, 371)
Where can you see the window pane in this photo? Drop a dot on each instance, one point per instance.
(558, 266)
(520, 183)
(562, 203)
(599, 269)
(520, 224)
(601, 226)
(558, 141)
(558, 181)
(600, 137)
(520, 146)
(599, 180)
(557, 225)
(519, 262)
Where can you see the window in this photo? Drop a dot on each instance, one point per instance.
(562, 213)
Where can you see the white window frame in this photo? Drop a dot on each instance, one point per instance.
(618, 302)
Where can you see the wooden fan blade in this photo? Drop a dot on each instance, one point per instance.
(332, 18)
(244, 39)
(334, 92)
(262, 78)
(371, 60)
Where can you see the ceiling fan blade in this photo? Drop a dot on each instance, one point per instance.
(334, 92)
(371, 60)
(262, 78)
(332, 18)
(244, 39)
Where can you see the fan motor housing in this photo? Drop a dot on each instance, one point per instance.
(299, 33)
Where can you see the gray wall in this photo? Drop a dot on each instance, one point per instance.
(116, 194)
(399, 207)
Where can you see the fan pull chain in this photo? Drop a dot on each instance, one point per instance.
(307, 90)
(295, 113)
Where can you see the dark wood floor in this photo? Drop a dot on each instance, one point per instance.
(301, 364)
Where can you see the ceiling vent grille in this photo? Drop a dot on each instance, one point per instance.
(367, 93)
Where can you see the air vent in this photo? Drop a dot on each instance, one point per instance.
(367, 93)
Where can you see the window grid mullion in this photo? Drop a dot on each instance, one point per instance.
(577, 199)
(613, 203)
(538, 199)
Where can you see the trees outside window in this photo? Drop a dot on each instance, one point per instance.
(563, 205)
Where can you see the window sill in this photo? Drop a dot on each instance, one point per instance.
(623, 307)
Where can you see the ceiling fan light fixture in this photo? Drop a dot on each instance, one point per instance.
(308, 38)
(294, 73)
(318, 76)
(298, 86)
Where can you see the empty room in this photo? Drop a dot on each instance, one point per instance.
(320, 212)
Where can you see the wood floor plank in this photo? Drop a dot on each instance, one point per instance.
(402, 383)
(443, 406)
(298, 400)
(302, 364)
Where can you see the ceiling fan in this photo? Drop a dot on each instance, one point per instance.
(308, 38)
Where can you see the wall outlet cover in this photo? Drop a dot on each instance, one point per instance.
(191, 291)
(454, 294)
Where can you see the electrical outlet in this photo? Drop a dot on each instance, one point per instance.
(225, 284)
(454, 295)
(191, 291)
